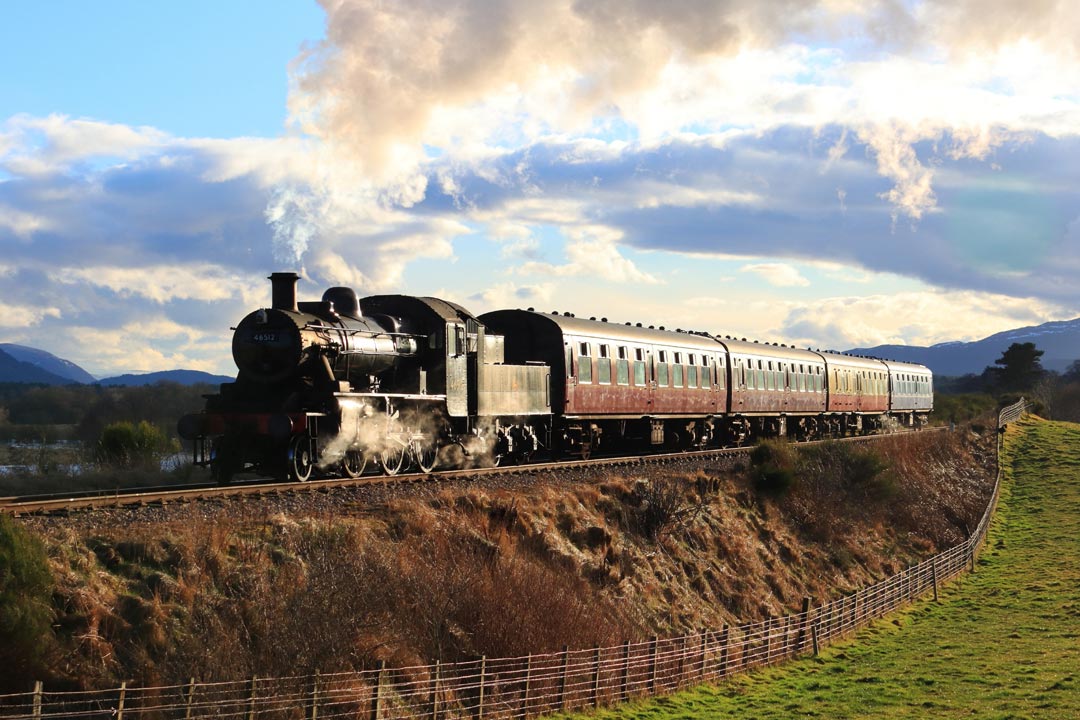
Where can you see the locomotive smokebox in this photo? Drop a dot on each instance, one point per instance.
(283, 291)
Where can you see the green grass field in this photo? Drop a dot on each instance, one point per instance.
(1002, 643)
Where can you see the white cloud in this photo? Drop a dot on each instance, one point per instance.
(592, 252)
(511, 295)
(22, 224)
(166, 283)
(914, 318)
(21, 316)
(778, 274)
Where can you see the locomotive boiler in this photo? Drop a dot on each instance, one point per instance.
(339, 383)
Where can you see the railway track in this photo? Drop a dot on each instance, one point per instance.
(90, 500)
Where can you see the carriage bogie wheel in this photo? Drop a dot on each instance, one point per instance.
(354, 463)
(300, 462)
(392, 460)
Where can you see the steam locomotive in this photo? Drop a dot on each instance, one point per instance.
(398, 381)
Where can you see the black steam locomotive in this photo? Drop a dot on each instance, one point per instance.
(401, 381)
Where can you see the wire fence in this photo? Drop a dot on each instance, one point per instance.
(527, 686)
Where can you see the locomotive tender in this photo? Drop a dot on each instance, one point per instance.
(398, 380)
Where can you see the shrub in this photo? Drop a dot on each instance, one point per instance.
(127, 445)
(25, 606)
(773, 464)
(663, 504)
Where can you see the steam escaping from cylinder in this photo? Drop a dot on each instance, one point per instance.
(370, 430)
(359, 429)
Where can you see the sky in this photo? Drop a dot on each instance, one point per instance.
(831, 174)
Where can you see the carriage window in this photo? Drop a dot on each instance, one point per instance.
(584, 364)
(639, 367)
(770, 378)
(676, 373)
(704, 374)
(622, 367)
(662, 371)
(603, 371)
(691, 375)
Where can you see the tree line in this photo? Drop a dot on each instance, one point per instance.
(1019, 371)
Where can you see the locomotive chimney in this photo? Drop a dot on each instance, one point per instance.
(283, 291)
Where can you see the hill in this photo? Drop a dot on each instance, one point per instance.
(183, 377)
(17, 371)
(1059, 340)
(60, 371)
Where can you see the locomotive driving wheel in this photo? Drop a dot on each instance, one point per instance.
(353, 463)
(425, 454)
(392, 459)
(300, 459)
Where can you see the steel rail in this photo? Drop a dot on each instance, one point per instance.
(161, 495)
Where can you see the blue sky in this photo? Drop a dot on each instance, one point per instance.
(823, 173)
(192, 69)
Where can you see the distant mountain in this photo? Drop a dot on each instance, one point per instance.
(1060, 341)
(183, 377)
(69, 371)
(17, 371)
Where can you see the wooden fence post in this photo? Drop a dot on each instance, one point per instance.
(681, 668)
(436, 676)
(376, 702)
(625, 692)
(596, 677)
(933, 577)
(38, 692)
(725, 635)
(562, 677)
(528, 682)
(315, 696)
(190, 699)
(652, 664)
(814, 637)
(704, 652)
(483, 679)
(768, 638)
(800, 639)
(251, 699)
(120, 702)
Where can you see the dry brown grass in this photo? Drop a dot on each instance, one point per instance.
(495, 572)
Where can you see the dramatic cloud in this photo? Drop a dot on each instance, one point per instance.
(742, 163)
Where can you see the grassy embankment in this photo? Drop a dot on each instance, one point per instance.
(1002, 643)
(452, 572)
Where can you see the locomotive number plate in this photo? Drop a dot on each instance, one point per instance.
(264, 337)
